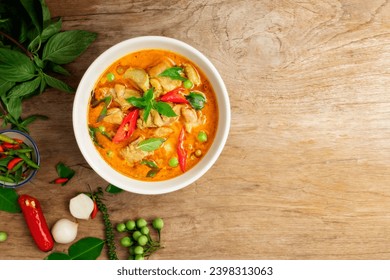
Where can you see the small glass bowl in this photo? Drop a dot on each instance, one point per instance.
(16, 134)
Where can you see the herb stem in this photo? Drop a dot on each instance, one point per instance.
(28, 53)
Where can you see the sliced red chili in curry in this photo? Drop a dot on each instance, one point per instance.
(127, 126)
(174, 96)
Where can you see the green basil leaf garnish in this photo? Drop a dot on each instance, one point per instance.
(151, 144)
(174, 73)
(196, 100)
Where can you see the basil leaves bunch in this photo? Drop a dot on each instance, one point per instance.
(32, 49)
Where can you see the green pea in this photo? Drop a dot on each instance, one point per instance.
(142, 240)
(110, 77)
(141, 223)
(131, 250)
(138, 250)
(121, 227)
(158, 223)
(130, 225)
(139, 257)
(126, 241)
(136, 235)
(202, 136)
(187, 84)
(173, 162)
(3, 236)
(144, 230)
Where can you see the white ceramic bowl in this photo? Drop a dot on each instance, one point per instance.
(35, 156)
(81, 105)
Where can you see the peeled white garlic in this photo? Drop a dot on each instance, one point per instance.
(64, 231)
(81, 206)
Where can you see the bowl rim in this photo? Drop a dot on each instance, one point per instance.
(37, 155)
(80, 110)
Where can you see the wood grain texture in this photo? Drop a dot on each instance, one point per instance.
(305, 171)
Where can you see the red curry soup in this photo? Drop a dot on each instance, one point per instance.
(152, 115)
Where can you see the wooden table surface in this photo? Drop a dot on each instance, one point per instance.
(305, 171)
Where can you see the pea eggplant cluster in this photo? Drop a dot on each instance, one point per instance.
(139, 240)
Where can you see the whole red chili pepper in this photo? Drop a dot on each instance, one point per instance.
(174, 96)
(11, 164)
(32, 211)
(9, 146)
(60, 180)
(181, 152)
(127, 126)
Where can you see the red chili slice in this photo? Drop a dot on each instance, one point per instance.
(174, 96)
(181, 152)
(36, 222)
(127, 126)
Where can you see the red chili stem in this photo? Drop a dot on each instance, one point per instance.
(36, 222)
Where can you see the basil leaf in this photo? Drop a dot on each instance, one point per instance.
(58, 256)
(33, 118)
(15, 66)
(9, 200)
(149, 163)
(137, 102)
(196, 100)
(66, 46)
(23, 89)
(150, 144)
(113, 189)
(174, 73)
(152, 172)
(14, 107)
(58, 69)
(46, 16)
(58, 84)
(49, 31)
(88, 248)
(34, 10)
(64, 171)
(164, 109)
(5, 86)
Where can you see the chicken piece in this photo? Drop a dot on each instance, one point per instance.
(154, 120)
(122, 93)
(168, 120)
(132, 154)
(114, 116)
(160, 67)
(192, 74)
(168, 84)
(163, 131)
(158, 90)
(192, 118)
(139, 76)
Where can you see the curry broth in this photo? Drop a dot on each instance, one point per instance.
(146, 59)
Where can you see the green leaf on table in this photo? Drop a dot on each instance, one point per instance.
(88, 248)
(33, 118)
(113, 189)
(15, 66)
(66, 46)
(174, 73)
(24, 89)
(58, 84)
(150, 144)
(57, 256)
(64, 171)
(46, 16)
(58, 69)
(9, 200)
